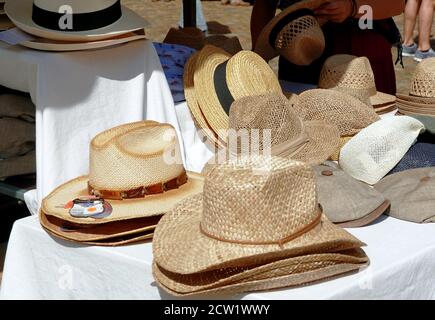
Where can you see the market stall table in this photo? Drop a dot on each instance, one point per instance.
(39, 266)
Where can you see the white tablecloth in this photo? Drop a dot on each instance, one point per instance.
(38, 266)
(80, 94)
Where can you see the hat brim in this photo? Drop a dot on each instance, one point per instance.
(368, 219)
(415, 99)
(5, 23)
(386, 109)
(149, 206)
(297, 271)
(105, 231)
(381, 99)
(62, 46)
(263, 47)
(20, 12)
(179, 246)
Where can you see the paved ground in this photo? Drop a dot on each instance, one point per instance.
(163, 15)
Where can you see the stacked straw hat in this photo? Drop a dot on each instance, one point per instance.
(348, 113)
(421, 97)
(136, 175)
(268, 124)
(354, 76)
(377, 149)
(295, 34)
(213, 80)
(70, 25)
(214, 243)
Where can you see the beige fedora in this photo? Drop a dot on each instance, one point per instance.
(289, 272)
(63, 46)
(78, 21)
(220, 79)
(219, 228)
(295, 34)
(135, 168)
(354, 76)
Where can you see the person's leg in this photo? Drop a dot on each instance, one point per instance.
(425, 20)
(411, 12)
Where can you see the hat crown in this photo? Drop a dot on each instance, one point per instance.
(423, 81)
(77, 6)
(134, 155)
(348, 113)
(266, 113)
(258, 200)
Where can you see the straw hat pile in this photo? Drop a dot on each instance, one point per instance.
(71, 25)
(214, 243)
(136, 175)
(354, 76)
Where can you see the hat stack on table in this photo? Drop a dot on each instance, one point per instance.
(136, 175)
(80, 25)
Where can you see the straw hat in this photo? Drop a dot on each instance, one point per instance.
(295, 34)
(349, 114)
(219, 80)
(218, 229)
(91, 20)
(354, 76)
(136, 168)
(293, 271)
(377, 149)
(308, 141)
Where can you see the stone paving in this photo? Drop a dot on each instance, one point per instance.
(165, 14)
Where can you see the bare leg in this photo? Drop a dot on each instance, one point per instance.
(411, 11)
(425, 20)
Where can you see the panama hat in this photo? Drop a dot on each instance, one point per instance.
(294, 33)
(411, 193)
(354, 76)
(90, 20)
(289, 272)
(220, 79)
(308, 141)
(63, 46)
(218, 229)
(348, 113)
(347, 201)
(377, 149)
(135, 171)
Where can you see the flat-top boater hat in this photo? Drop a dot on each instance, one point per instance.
(135, 172)
(295, 34)
(73, 20)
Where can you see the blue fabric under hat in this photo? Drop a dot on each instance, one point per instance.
(421, 155)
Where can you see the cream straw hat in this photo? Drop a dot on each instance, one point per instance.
(218, 229)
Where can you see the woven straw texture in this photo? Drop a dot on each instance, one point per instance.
(346, 112)
(412, 194)
(415, 107)
(372, 153)
(336, 155)
(209, 231)
(343, 198)
(423, 81)
(421, 155)
(301, 41)
(275, 114)
(234, 280)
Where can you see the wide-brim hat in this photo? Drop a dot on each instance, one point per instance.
(63, 46)
(21, 13)
(415, 107)
(289, 272)
(311, 48)
(122, 160)
(220, 79)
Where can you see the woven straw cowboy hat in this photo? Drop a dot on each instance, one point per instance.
(91, 20)
(348, 113)
(218, 229)
(220, 79)
(377, 149)
(308, 141)
(289, 272)
(138, 171)
(354, 76)
(294, 34)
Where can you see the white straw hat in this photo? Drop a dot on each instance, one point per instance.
(73, 20)
(377, 149)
